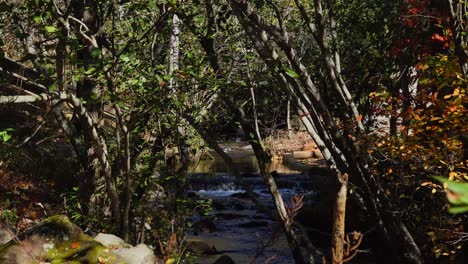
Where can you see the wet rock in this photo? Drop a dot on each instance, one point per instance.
(245, 195)
(224, 259)
(205, 226)
(111, 241)
(201, 248)
(193, 195)
(249, 175)
(140, 254)
(6, 233)
(218, 205)
(229, 216)
(253, 224)
(55, 240)
(238, 205)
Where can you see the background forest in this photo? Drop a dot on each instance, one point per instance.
(95, 94)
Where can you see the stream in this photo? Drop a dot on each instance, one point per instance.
(236, 226)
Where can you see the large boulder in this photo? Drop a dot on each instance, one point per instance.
(111, 241)
(55, 240)
(58, 240)
(140, 254)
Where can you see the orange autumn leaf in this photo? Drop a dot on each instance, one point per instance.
(75, 245)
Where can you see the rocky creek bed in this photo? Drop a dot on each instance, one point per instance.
(237, 226)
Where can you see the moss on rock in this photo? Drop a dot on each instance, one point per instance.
(55, 240)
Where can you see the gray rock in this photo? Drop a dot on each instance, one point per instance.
(224, 259)
(140, 254)
(6, 234)
(111, 241)
(205, 226)
(56, 239)
(200, 248)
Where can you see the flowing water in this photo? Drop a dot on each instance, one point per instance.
(243, 231)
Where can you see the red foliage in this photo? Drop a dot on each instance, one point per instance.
(425, 27)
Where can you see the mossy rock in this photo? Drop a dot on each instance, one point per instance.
(55, 240)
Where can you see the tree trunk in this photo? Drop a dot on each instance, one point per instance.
(288, 118)
(174, 49)
(339, 220)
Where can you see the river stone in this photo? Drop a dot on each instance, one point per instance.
(111, 241)
(200, 248)
(253, 224)
(6, 234)
(55, 240)
(245, 195)
(205, 226)
(218, 205)
(229, 216)
(140, 254)
(224, 259)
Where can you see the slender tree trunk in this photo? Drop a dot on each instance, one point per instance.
(458, 15)
(126, 175)
(339, 220)
(174, 49)
(100, 146)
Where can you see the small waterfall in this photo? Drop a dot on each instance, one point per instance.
(226, 184)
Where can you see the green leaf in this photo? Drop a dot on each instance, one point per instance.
(457, 187)
(52, 87)
(458, 209)
(199, 19)
(90, 71)
(291, 73)
(51, 29)
(37, 19)
(4, 135)
(459, 197)
(95, 52)
(124, 58)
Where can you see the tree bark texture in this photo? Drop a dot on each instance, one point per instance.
(339, 220)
